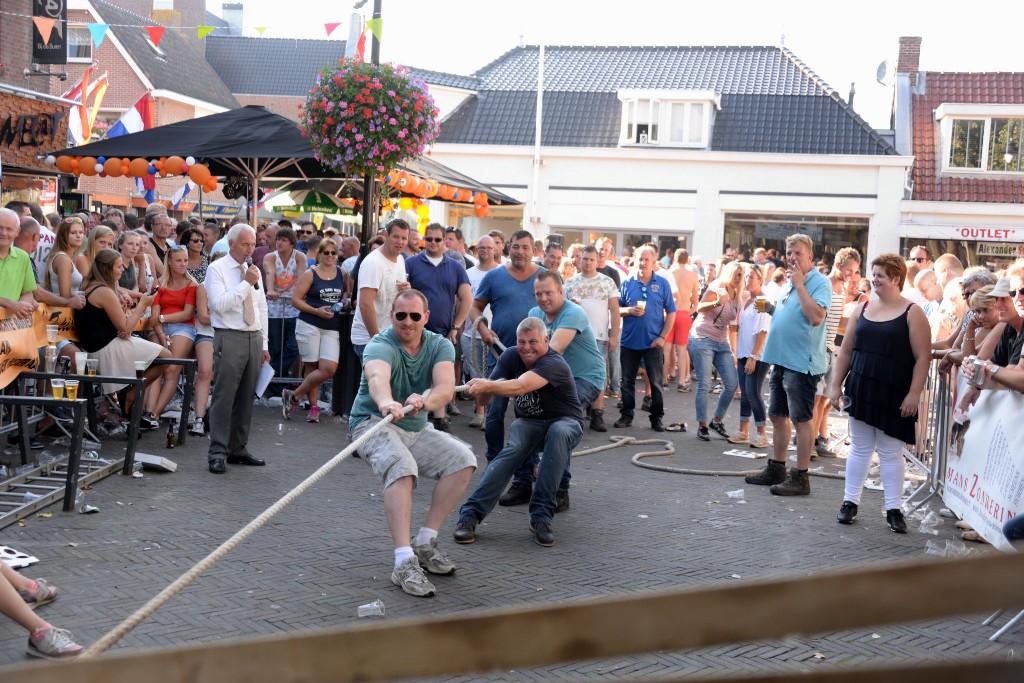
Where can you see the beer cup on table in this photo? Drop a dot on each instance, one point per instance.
(57, 385)
(71, 389)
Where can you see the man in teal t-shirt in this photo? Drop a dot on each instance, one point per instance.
(796, 349)
(405, 365)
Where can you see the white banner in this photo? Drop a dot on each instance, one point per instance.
(984, 470)
(962, 232)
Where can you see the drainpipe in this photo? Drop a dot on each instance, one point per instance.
(537, 161)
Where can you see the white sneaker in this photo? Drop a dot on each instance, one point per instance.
(55, 643)
(410, 577)
(433, 560)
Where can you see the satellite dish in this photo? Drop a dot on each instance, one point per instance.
(885, 73)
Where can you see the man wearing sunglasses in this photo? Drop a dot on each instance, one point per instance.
(408, 366)
(921, 255)
(306, 233)
(442, 279)
(648, 310)
(548, 418)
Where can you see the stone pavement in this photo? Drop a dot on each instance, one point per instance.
(629, 530)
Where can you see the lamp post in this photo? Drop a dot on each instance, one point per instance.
(369, 182)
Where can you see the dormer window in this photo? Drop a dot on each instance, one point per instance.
(668, 118)
(982, 138)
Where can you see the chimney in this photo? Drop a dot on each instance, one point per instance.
(910, 57)
(853, 92)
(232, 13)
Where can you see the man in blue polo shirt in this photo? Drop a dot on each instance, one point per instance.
(444, 282)
(796, 347)
(648, 310)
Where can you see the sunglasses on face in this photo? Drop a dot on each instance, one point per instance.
(305, 232)
(328, 253)
(402, 315)
(433, 239)
(197, 240)
(920, 259)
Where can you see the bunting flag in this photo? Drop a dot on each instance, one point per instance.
(156, 34)
(147, 187)
(99, 32)
(203, 31)
(182, 192)
(139, 117)
(261, 29)
(376, 26)
(330, 28)
(45, 26)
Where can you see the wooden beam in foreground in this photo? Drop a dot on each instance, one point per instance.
(545, 635)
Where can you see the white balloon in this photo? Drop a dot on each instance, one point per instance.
(50, 160)
(191, 161)
(99, 168)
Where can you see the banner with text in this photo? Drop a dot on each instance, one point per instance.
(20, 339)
(984, 469)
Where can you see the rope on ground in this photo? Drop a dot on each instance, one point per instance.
(144, 612)
(668, 449)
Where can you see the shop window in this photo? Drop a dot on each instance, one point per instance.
(830, 233)
(667, 118)
(79, 44)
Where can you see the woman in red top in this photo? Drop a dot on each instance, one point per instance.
(172, 317)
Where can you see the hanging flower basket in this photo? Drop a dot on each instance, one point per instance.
(364, 118)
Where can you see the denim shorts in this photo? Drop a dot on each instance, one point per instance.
(791, 394)
(180, 330)
(586, 392)
(203, 338)
(825, 383)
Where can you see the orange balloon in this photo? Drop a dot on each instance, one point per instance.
(159, 165)
(211, 184)
(480, 199)
(173, 165)
(481, 211)
(112, 167)
(87, 165)
(199, 174)
(64, 164)
(124, 167)
(138, 168)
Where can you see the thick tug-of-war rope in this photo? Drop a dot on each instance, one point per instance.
(144, 612)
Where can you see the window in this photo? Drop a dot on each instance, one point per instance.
(686, 117)
(982, 138)
(79, 44)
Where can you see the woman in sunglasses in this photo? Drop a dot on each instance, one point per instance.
(710, 345)
(194, 240)
(317, 293)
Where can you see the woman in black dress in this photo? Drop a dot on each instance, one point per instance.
(884, 363)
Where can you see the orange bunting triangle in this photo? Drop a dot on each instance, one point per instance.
(203, 31)
(330, 28)
(45, 27)
(156, 34)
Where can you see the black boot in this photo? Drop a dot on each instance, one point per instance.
(796, 484)
(597, 420)
(773, 473)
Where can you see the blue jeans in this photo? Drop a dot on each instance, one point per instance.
(613, 366)
(654, 363)
(705, 353)
(526, 436)
(587, 393)
(1014, 528)
(751, 400)
(283, 347)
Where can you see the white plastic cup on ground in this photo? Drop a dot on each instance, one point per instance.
(373, 609)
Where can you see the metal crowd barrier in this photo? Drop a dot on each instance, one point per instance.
(933, 426)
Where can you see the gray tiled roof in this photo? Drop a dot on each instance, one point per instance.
(183, 70)
(771, 102)
(271, 66)
(446, 79)
(220, 27)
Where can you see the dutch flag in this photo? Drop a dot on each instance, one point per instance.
(139, 117)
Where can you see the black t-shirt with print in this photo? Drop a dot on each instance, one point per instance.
(555, 399)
